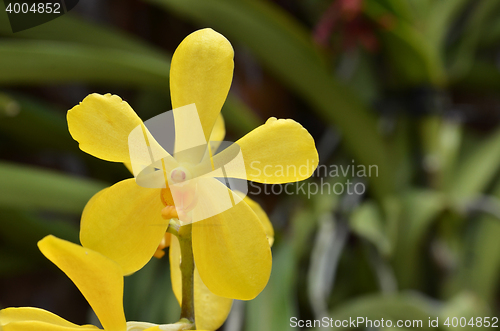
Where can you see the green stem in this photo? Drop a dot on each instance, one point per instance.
(187, 271)
(173, 228)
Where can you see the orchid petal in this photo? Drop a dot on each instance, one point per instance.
(263, 218)
(98, 278)
(29, 314)
(201, 73)
(124, 223)
(279, 151)
(219, 129)
(102, 124)
(231, 251)
(43, 326)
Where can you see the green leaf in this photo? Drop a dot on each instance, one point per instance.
(35, 62)
(69, 28)
(440, 18)
(404, 164)
(327, 249)
(441, 141)
(33, 124)
(32, 188)
(409, 10)
(20, 231)
(420, 209)
(367, 222)
(274, 306)
(148, 294)
(304, 223)
(480, 271)
(491, 38)
(477, 170)
(414, 57)
(478, 24)
(286, 48)
(450, 142)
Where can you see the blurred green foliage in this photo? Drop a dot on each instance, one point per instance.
(406, 85)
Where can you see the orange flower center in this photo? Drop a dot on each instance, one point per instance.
(166, 197)
(168, 201)
(167, 213)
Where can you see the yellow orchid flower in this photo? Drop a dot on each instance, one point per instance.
(126, 222)
(98, 278)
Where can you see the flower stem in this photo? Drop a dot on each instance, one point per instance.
(187, 271)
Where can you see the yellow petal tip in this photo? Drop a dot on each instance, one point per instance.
(101, 125)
